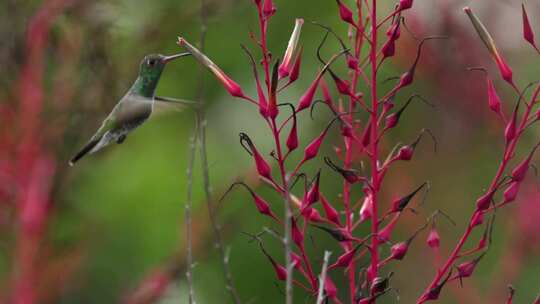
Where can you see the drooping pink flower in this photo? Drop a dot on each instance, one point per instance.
(504, 69)
(230, 85)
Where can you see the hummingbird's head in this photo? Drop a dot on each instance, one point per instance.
(153, 64)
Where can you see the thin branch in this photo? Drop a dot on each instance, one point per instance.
(322, 277)
(187, 213)
(206, 176)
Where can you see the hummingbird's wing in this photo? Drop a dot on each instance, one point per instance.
(163, 105)
(128, 114)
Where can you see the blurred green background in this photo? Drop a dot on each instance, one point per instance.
(120, 213)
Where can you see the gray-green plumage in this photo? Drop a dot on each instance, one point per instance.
(133, 109)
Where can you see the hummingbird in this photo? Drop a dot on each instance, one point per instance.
(134, 108)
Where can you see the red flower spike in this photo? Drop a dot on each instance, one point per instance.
(366, 211)
(230, 85)
(433, 239)
(269, 8)
(528, 33)
(511, 192)
(345, 13)
(494, 101)
(519, 172)
(285, 67)
(297, 235)
(263, 168)
(331, 213)
(504, 69)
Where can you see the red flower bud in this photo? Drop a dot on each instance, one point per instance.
(313, 148)
(485, 200)
(260, 203)
(297, 235)
(399, 250)
(405, 4)
(494, 101)
(281, 271)
(519, 172)
(352, 62)
(326, 93)
(386, 232)
(366, 211)
(528, 33)
(269, 8)
(433, 239)
(477, 219)
(263, 168)
(345, 13)
(511, 192)
(345, 259)
(330, 212)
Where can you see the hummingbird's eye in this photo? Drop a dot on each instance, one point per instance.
(151, 62)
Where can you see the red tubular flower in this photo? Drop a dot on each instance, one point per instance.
(262, 205)
(433, 239)
(528, 33)
(345, 259)
(519, 172)
(230, 85)
(312, 149)
(297, 235)
(386, 232)
(292, 138)
(345, 13)
(312, 196)
(366, 211)
(399, 250)
(295, 72)
(485, 200)
(511, 192)
(505, 70)
(405, 4)
(400, 204)
(494, 101)
(281, 271)
(331, 213)
(263, 168)
(286, 65)
(269, 9)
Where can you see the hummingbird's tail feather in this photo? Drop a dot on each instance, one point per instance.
(89, 147)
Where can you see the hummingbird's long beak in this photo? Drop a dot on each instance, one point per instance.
(172, 57)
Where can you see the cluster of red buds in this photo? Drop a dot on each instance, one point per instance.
(363, 119)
